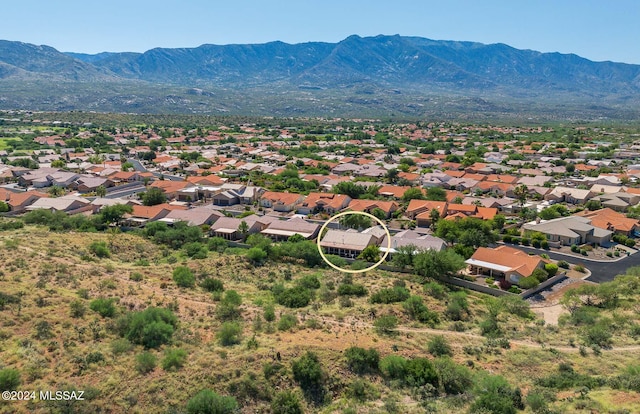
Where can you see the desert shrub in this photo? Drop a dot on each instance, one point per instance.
(136, 277)
(495, 395)
(435, 290)
(295, 297)
(174, 359)
(386, 325)
(362, 390)
(419, 372)
(579, 268)
(9, 379)
(229, 307)
(349, 289)
(212, 285)
(230, 333)
(438, 346)
(598, 334)
(150, 328)
(269, 313)
(103, 306)
(307, 371)
(208, 402)
(121, 346)
(256, 255)
(287, 322)
(551, 269)
(362, 360)
(77, 308)
(458, 306)
(528, 282)
(515, 305)
(452, 378)
(217, 244)
(575, 248)
(100, 249)
(196, 250)
(566, 378)
(392, 295)
(309, 282)
(417, 310)
(145, 362)
(393, 366)
(286, 402)
(183, 277)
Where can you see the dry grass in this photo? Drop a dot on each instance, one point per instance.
(48, 271)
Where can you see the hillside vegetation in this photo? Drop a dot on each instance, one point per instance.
(143, 327)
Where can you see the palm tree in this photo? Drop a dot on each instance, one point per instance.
(521, 192)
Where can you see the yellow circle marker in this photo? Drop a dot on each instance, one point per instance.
(362, 213)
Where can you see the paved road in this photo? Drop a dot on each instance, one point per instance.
(600, 271)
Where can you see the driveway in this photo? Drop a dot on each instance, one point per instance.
(601, 271)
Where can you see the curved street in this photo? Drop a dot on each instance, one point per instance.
(601, 271)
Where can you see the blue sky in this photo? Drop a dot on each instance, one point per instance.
(598, 30)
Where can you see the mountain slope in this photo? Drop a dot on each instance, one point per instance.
(372, 75)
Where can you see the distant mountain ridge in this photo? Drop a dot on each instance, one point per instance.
(408, 75)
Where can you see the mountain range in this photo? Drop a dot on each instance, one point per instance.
(381, 76)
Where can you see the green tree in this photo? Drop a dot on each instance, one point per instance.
(4, 207)
(370, 254)
(355, 221)
(153, 196)
(208, 402)
(58, 164)
(113, 214)
(392, 175)
(521, 192)
(413, 194)
(436, 194)
(432, 264)
(56, 191)
(101, 191)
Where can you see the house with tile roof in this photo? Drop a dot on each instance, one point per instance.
(281, 201)
(504, 262)
(368, 206)
(608, 219)
(323, 202)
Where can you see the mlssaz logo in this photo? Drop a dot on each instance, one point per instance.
(62, 395)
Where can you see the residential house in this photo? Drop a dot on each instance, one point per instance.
(68, 203)
(142, 215)
(569, 231)
(19, 201)
(197, 216)
(281, 202)
(419, 241)
(281, 230)
(609, 219)
(569, 195)
(323, 202)
(504, 262)
(416, 207)
(230, 228)
(349, 243)
(369, 205)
